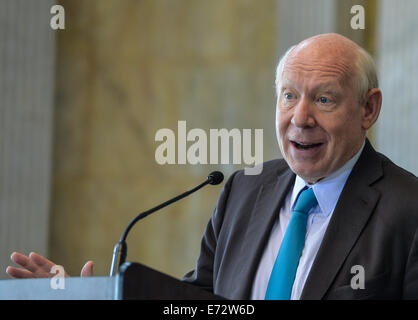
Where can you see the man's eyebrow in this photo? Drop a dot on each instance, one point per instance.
(328, 86)
(286, 85)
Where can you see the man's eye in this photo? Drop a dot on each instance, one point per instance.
(324, 100)
(288, 96)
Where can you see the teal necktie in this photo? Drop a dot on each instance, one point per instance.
(284, 270)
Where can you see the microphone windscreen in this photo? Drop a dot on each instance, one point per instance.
(215, 177)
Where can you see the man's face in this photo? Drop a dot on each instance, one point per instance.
(319, 118)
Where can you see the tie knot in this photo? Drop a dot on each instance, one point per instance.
(306, 201)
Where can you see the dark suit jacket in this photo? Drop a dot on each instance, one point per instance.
(374, 225)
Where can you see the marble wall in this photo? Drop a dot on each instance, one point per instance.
(27, 55)
(126, 69)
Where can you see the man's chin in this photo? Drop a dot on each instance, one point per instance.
(311, 176)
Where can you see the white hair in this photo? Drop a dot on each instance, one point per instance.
(365, 74)
(279, 69)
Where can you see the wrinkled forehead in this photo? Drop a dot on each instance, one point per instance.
(306, 76)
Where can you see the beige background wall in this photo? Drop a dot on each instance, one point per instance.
(126, 69)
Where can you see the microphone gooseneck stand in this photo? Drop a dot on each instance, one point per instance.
(121, 248)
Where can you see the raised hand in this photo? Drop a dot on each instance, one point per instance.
(37, 266)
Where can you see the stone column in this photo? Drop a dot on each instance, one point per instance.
(125, 70)
(27, 52)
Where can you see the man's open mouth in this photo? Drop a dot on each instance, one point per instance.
(305, 146)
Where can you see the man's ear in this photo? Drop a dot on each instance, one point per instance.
(371, 108)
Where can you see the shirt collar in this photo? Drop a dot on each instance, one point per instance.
(328, 190)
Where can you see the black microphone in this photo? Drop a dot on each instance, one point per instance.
(214, 178)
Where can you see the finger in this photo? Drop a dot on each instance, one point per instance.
(19, 273)
(41, 262)
(24, 261)
(87, 270)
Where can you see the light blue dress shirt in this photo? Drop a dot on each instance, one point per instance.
(327, 192)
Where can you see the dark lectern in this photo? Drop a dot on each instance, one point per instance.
(133, 281)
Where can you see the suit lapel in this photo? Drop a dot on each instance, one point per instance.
(354, 208)
(269, 200)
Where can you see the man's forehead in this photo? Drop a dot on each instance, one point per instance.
(321, 67)
(313, 78)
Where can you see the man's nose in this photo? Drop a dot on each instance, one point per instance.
(303, 114)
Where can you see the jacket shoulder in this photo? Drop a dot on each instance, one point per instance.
(267, 172)
(399, 196)
(399, 180)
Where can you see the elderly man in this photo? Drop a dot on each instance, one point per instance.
(334, 219)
